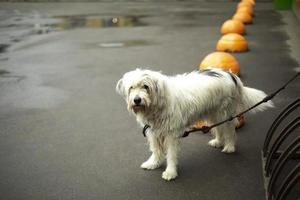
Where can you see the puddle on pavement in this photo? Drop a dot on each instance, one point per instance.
(79, 21)
(3, 72)
(127, 43)
(95, 21)
(3, 47)
(44, 25)
(4, 59)
(6, 76)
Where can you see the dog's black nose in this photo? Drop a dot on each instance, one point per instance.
(137, 100)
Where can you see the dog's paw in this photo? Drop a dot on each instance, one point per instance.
(229, 148)
(215, 143)
(150, 165)
(169, 175)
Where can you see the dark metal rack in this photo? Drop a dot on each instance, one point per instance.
(281, 163)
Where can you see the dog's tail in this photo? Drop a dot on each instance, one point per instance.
(250, 97)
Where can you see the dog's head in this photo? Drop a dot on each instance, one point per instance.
(141, 89)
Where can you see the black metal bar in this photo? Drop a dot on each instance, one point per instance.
(288, 183)
(294, 156)
(279, 140)
(291, 149)
(284, 113)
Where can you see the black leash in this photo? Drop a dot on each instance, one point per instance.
(145, 129)
(206, 129)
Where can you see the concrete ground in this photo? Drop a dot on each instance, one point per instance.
(66, 134)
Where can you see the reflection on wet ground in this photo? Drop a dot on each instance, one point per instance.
(90, 21)
(127, 43)
(76, 21)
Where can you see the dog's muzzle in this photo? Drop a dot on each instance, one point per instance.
(137, 100)
(138, 105)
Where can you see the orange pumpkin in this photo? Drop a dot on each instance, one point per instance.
(244, 3)
(243, 17)
(221, 60)
(245, 9)
(233, 26)
(239, 124)
(199, 124)
(232, 42)
(252, 2)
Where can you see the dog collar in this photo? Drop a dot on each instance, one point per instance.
(145, 129)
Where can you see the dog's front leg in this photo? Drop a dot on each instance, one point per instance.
(172, 148)
(156, 158)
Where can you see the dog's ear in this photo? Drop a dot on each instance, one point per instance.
(120, 87)
(157, 85)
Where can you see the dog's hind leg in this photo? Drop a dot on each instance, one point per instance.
(172, 149)
(229, 137)
(224, 134)
(156, 159)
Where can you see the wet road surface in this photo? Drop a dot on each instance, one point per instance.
(66, 134)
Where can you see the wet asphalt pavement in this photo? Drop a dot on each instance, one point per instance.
(66, 134)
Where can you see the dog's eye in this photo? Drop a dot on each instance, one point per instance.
(146, 87)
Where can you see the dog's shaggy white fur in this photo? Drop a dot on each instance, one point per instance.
(172, 104)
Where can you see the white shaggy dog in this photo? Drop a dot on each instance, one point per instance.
(169, 105)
